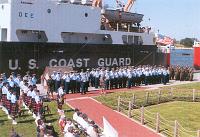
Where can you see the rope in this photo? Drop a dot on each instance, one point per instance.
(188, 135)
(167, 133)
(123, 104)
(149, 117)
(168, 125)
(183, 129)
(149, 112)
(169, 121)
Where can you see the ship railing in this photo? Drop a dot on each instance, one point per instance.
(79, 2)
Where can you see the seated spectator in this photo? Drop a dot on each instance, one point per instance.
(82, 121)
(75, 116)
(62, 123)
(41, 127)
(70, 132)
(93, 132)
(69, 123)
(91, 124)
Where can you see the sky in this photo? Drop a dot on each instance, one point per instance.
(175, 18)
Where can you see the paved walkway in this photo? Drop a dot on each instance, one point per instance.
(96, 111)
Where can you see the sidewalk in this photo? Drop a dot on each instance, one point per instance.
(125, 126)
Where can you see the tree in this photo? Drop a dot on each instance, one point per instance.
(187, 42)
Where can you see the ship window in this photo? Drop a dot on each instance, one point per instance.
(127, 39)
(86, 14)
(2, 7)
(124, 39)
(86, 38)
(138, 40)
(3, 34)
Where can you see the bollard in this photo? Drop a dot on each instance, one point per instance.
(133, 99)
(118, 104)
(142, 115)
(159, 96)
(198, 133)
(176, 129)
(129, 109)
(193, 95)
(157, 123)
(147, 97)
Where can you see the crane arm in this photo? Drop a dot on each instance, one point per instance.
(129, 5)
(97, 3)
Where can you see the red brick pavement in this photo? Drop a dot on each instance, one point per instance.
(125, 127)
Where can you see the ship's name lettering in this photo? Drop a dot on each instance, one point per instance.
(14, 64)
(26, 15)
(114, 62)
(79, 62)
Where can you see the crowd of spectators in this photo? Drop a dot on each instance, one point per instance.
(80, 125)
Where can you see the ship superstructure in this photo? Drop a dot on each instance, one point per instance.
(65, 21)
(75, 33)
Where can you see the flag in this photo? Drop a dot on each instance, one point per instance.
(164, 40)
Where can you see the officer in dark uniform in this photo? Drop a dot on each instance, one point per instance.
(87, 80)
(177, 73)
(97, 76)
(72, 82)
(92, 77)
(182, 74)
(191, 72)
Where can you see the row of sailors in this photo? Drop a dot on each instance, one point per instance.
(12, 104)
(92, 78)
(108, 74)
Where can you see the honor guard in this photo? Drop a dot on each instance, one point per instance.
(53, 77)
(73, 82)
(78, 82)
(34, 79)
(66, 79)
(92, 78)
(57, 80)
(83, 83)
(97, 76)
(107, 80)
(111, 78)
(87, 80)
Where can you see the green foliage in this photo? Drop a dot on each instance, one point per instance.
(187, 42)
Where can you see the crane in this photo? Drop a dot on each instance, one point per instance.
(97, 3)
(129, 5)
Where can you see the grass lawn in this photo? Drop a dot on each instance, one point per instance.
(178, 106)
(180, 92)
(26, 124)
(186, 113)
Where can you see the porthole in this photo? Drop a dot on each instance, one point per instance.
(49, 11)
(86, 14)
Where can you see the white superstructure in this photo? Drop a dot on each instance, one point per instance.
(63, 21)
